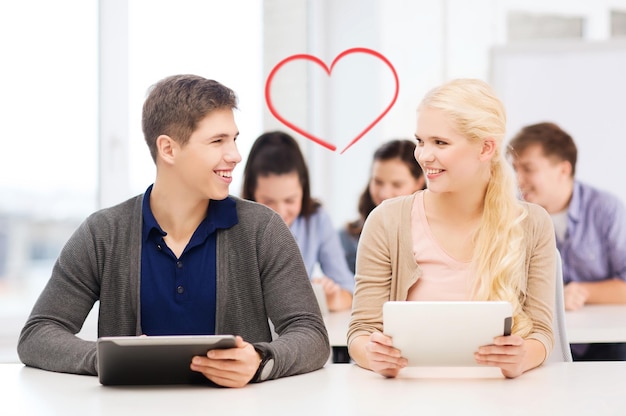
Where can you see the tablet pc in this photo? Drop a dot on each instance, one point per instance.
(445, 333)
(154, 359)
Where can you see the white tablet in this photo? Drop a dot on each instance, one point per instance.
(154, 359)
(445, 333)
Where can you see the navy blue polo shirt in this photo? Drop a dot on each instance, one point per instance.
(178, 294)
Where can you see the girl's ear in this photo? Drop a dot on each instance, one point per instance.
(488, 149)
(166, 148)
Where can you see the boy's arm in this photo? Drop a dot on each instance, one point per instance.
(48, 338)
(302, 344)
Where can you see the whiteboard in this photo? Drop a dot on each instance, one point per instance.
(581, 86)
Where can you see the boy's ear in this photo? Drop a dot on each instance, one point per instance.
(566, 168)
(166, 147)
(488, 149)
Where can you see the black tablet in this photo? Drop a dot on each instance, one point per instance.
(154, 359)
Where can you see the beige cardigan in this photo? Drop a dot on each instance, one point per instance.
(386, 268)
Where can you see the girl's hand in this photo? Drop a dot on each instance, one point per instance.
(382, 357)
(506, 352)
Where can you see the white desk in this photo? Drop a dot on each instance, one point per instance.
(596, 323)
(337, 389)
(592, 323)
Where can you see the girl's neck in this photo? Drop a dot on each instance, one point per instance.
(455, 207)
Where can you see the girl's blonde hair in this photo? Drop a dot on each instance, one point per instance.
(499, 250)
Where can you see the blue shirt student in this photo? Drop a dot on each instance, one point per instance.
(178, 294)
(594, 247)
(319, 242)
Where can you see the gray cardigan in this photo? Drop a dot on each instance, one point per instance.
(260, 275)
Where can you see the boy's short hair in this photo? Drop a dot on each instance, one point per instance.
(176, 104)
(554, 141)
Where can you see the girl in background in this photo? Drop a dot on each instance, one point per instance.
(466, 237)
(395, 172)
(276, 175)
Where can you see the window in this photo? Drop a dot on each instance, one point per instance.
(48, 175)
(49, 107)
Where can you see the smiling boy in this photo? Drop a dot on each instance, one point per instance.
(184, 258)
(590, 224)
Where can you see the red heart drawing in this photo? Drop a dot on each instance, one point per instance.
(314, 59)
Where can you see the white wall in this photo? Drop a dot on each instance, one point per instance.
(427, 42)
(579, 86)
(216, 39)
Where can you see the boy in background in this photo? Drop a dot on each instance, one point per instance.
(590, 225)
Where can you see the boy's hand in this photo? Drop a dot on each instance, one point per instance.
(575, 296)
(231, 367)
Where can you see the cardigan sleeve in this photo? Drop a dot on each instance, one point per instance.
(302, 344)
(48, 339)
(264, 293)
(386, 267)
(541, 284)
(373, 276)
(99, 262)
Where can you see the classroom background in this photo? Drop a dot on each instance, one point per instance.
(75, 74)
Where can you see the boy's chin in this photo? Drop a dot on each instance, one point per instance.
(218, 197)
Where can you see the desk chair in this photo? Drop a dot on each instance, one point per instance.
(561, 351)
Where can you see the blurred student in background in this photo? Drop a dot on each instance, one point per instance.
(590, 224)
(395, 172)
(276, 175)
(466, 237)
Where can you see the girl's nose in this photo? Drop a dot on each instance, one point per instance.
(424, 154)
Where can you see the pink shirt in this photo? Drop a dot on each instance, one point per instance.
(443, 278)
